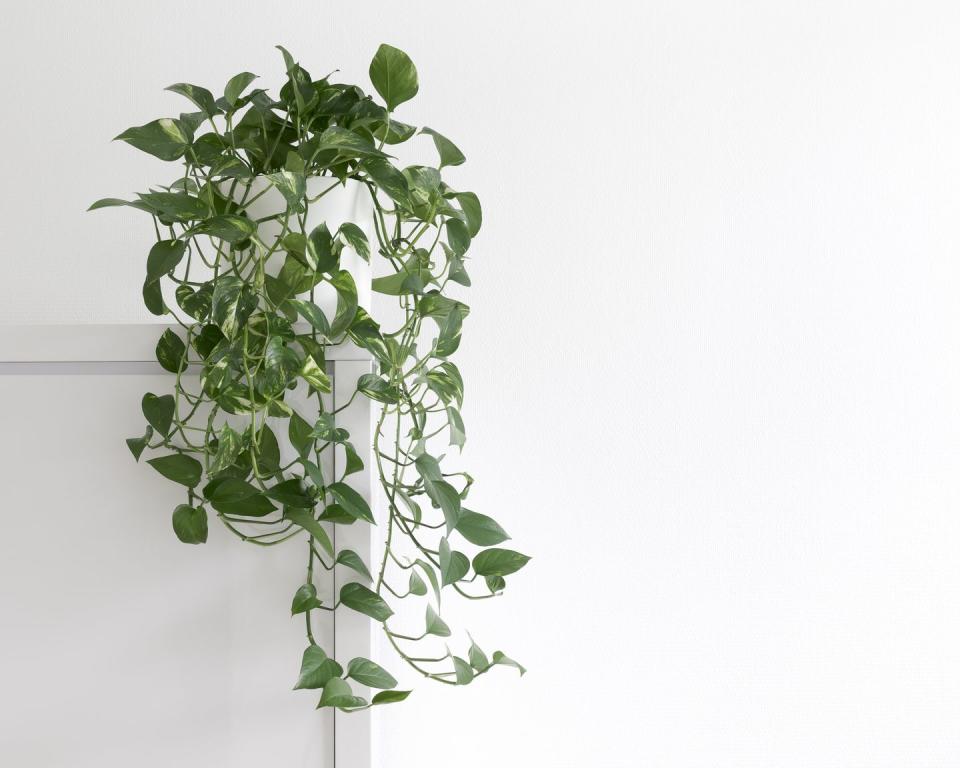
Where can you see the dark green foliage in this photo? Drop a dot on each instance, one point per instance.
(249, 325)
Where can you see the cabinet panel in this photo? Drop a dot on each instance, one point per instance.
(120, 645)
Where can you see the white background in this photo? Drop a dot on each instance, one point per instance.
(712, 362)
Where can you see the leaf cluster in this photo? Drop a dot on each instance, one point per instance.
(248, 322)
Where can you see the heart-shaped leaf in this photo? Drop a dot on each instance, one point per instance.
(370, 674)
(393, 75)
(190, 524)
(158, 411)
(499, 562)
(179, 467)
(316, 669)
(363, 600)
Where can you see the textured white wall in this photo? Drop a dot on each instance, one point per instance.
(713, 365)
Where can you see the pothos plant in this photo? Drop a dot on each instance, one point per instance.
(248, 322)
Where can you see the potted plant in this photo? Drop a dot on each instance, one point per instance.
(284, 214)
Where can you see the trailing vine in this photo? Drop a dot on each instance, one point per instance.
(248, 320)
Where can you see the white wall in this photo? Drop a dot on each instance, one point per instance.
(714, 360)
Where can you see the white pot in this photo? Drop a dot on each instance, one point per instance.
(347, 202)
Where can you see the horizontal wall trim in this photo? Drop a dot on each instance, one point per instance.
(81, 367)
(127, 348)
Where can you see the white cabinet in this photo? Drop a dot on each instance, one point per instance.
(120, 646)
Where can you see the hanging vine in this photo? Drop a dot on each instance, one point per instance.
(245, 302)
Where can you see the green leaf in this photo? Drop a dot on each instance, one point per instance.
(337, 693)
(165, 138)
(425, 189)
(229, 445)
(305, 599)
(190, 524)
(504, 660)
(447, 382)
(457, 236)
(454, 421)
(365, 601)
(226, 226)
(294, 162)
(478, 659)
(448, 151)
(290, 493)
(231, 168)
(233, 303)
(463, 671)
(389, 179)
(376, 388)
(312, 314)
(457, 273)
(401, 283)
(254, 505)
(453, 565)
(356, 239)
(365, 332)
(313, 472)
(326, 429)
(428, 569)
(354, 504)
(352, 560)
(370, 674)
(178, 206)
(114, 202)
(436, 305)
(394, 132)
(479, 529)
(393, 75)
(207, 149)
(299, 81)
(353, 461)
(499, 562)
(191, 121)
(445, 496)
(267, 449)
(390, 697)
(178, 467)
(228, 489)
(196, 303)
(137, 444)
(158, 411)
(316, 669)
(281, 365)
(315, 376)
(346, 143)
(428, 467)
(172, 352)
(314, 348)
(319, 250)
(436, 625)
(236, 85)
(304, 518)
(199, 96)
(153, 298)
(163, 258)
(449, 338)
(291, 185)
(472, 212)
(346, 289)
(334, 513)
(298, 432)
(417, 586)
